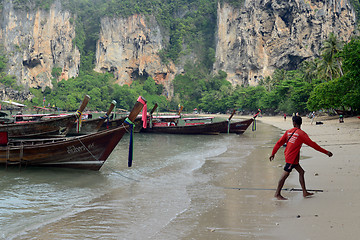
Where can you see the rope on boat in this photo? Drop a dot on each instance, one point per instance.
(88, 150)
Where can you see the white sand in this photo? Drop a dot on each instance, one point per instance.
(335, 213)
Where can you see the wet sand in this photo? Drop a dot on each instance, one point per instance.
(253, 212)
(247, 213)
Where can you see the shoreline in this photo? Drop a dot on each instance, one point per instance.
(254, 214)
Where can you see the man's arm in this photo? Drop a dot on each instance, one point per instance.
(314, 145)
(278, 144)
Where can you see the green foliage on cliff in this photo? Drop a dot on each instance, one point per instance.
(190, 25)
(101, 88)
(5, 79)
(330, 81)
(27, 5)
(356, 6)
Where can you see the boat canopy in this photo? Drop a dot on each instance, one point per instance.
(166, 117)
(14, 103)
(198, 118)
(33, 115)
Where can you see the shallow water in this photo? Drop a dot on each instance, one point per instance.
(171, 184)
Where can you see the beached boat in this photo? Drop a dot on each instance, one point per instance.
(92, 125)
(102, 123)
(41, 127)
(84, 152)
(196, 125)
(170, 124)
(239, 127)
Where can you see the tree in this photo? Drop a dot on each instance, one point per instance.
(309, 70)
(330, 65)
(351, 79)
(326, 95)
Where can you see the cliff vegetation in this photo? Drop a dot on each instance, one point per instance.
(190, 27)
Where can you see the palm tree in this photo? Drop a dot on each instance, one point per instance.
(330, 63)
(309, 69)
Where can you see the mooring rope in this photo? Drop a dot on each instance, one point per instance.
(88, 150)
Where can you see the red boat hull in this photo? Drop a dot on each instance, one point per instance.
(206, 128)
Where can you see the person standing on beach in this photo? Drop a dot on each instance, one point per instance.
(312, 117)
(294, 138)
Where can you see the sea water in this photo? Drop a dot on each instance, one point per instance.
(161, 196)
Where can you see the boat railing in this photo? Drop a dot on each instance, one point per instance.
(34, 142)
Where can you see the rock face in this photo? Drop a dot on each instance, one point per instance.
(14, 95)
(38, 41)
(265, 35)
(129, 48)
(251, 42)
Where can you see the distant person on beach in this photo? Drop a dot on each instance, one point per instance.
(294, 138)
(284, 116)
(312, 117)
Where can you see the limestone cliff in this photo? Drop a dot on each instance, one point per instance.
(36, 42)
(129, 48)
(251, 42)
(265, 35)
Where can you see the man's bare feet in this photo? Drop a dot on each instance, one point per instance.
(307, 194)
(279, 197)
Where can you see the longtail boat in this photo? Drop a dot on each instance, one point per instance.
(239, 127)
(81, 152)
(87, 126)
(93, 125)
(44, 127)
(201, 125)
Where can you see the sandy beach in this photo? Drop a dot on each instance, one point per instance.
(334, 213)
(256, 214)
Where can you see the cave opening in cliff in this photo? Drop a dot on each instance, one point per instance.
(31, 63)
(294, 62)
(136, 76)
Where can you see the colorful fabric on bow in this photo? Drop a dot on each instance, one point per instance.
(78, 125)
(254, 125)
(131, 144)
(144, 111)
(106, 117)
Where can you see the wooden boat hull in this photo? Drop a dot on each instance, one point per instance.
(206, 128)
(83, 152)
(209, 128)
(53, 126)
(239, 127)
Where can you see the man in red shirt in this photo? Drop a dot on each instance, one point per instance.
(294, 138)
